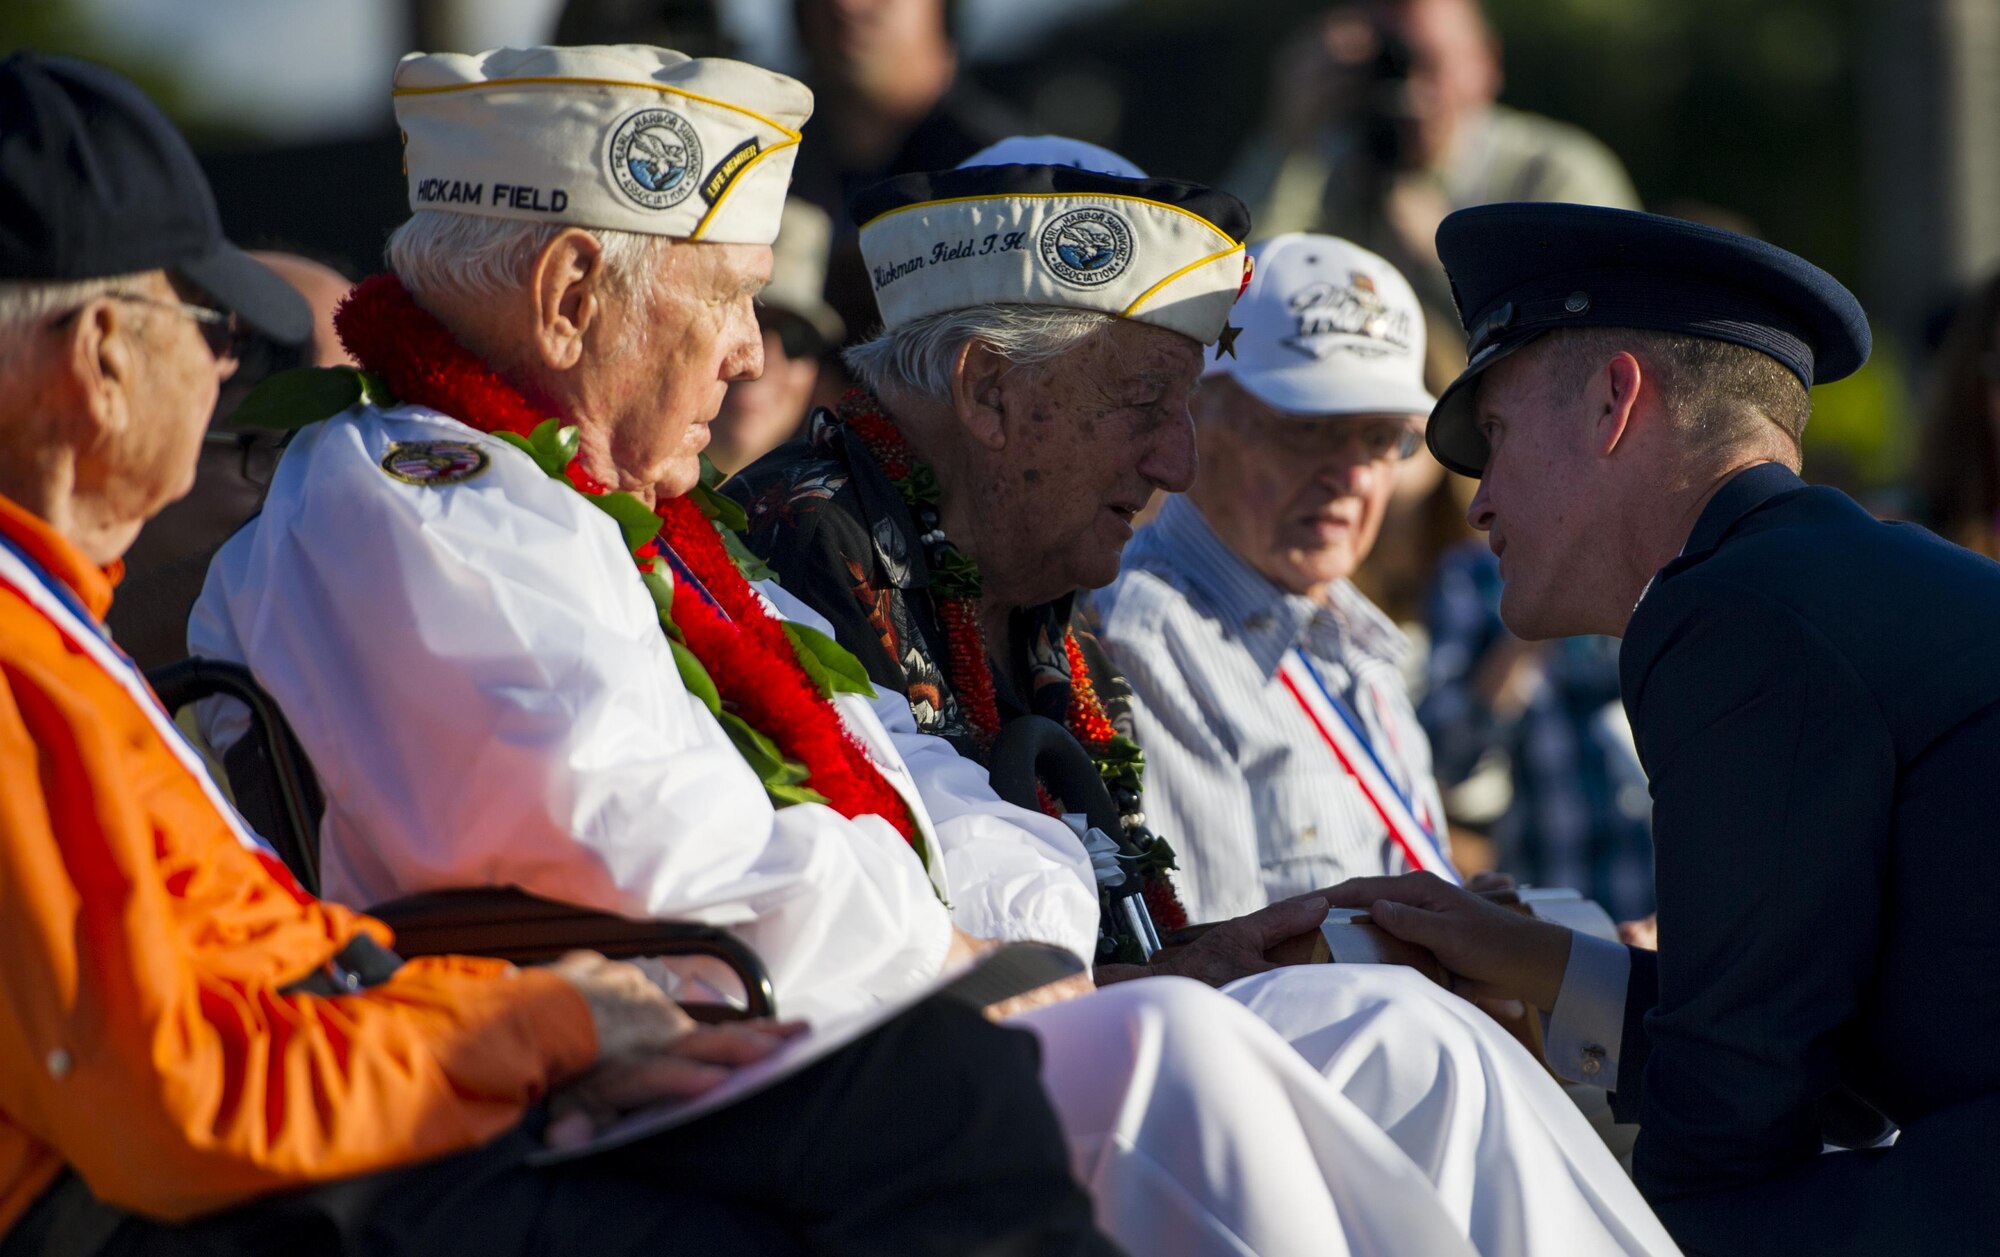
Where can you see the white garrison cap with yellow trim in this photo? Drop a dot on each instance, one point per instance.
(627, 138)
(1159, 251)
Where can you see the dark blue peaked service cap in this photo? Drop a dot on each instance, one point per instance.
(1519, 270)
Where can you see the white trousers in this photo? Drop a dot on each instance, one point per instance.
(1359, 1110)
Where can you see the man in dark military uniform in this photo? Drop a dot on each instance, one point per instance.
(1816, 697)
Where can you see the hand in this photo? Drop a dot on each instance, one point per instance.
(633, 1016)
(1236, 949)
(1485, 880)
(696, 1061)
(1493, 953)
(1645, 932)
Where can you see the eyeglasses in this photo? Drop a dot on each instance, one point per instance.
(1379, 440)
(219, 329)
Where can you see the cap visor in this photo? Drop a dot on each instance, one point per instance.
(1453, 430)
(253, 292)
(1311, 392)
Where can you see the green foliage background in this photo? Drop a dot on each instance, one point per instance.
(1747, 105)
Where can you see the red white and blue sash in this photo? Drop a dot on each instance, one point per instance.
(1347, 738)
(80, 629)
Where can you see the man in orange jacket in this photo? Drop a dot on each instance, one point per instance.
(173, 1075)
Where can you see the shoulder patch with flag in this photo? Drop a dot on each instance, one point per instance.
(434, 462)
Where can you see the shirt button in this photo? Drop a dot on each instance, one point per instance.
(59, 1063)
(1257, 623)
(1593, 1060)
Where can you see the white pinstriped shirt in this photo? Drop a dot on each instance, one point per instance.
(1236, 777)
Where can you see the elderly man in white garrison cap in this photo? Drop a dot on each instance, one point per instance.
(1281, 745)
(492, 595)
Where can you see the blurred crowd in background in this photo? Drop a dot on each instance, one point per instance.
(1864, 134)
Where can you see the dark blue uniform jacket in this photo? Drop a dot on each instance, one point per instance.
(1816, 698)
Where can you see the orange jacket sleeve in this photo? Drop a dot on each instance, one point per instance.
(144, 1035)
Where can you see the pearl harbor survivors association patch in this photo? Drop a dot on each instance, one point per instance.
(434, 462)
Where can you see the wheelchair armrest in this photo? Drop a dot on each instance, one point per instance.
(513, 925)
(267, 769)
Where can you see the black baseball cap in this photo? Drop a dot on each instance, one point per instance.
(94, 181)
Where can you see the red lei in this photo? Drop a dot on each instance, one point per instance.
(741, 644)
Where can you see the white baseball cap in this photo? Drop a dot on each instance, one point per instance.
(1327, 328)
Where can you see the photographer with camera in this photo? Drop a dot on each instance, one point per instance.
(1383, 119)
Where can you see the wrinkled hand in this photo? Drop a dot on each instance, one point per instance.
(632, 1015)
(1236, 949)
(1492, 953)
(696, 1061)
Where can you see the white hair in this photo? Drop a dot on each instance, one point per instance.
(442, 254)
(25, 304)
(918, 356)
(32, 300)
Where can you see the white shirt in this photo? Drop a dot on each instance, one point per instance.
(1237, 779)
(481, 682)
(1583, 1036)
